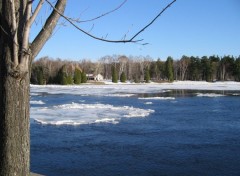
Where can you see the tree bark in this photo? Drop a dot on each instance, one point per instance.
(14, 119)
(14, 124)
(14, 101)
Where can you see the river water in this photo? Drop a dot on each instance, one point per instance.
(158, 132)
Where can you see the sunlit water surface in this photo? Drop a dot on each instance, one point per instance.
(161, 133)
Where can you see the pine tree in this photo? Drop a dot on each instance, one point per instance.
(114, 75)
(40, 76)
(237, 69)
(64, 80)
(37, 76)
(83, 77)
(61, 77)
(147, 76)
(77, 76)
(206, 69)
(123, 77)
(169, 69)
(69, 79)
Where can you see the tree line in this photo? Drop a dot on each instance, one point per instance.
(136, 69)
(49, 71)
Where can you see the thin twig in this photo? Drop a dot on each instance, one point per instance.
(131, 40)
(35, 13)
(152, 20)
(100, 16)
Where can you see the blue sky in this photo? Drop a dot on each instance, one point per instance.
(188, 27)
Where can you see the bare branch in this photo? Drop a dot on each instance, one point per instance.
(131, 40)
(87, 33)
(91, 28)
(15, 40)
(104, 14)
(77, 20)
(35, 13)
(48, 27)
(26, 33)
(153, 20)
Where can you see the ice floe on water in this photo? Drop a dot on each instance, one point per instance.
(148, 103)
(107, 120)
(85, 112)
(37, 102)
(76, 114)
(119, 95)
(209, 95)
(156, 98)
(97, 90)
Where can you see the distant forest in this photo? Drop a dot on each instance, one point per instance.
(136, 69)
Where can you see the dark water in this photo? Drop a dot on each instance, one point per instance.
(187, 136)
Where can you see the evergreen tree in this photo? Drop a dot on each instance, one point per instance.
(114, 75)
(161, 69)
(194, 69)
(237, 69)
(123, 77)
(169, 69)
(40, 78)
(206, 69)
(215, 62)
(69, 79)
(64, 80)
(83, 77)
(61, 77)
(37, 76)
(147, 76)
(77, 76)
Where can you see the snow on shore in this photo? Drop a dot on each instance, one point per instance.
(129, 89)
(202, 85)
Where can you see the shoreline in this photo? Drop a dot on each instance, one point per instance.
(176, 85)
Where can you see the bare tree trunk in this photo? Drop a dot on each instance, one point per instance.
(183, 64)
(14, 121)
(15, 67)
(14, 93)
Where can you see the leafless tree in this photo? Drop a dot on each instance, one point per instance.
(106, 62)
(183, 65)
(129, 68)
(98, 68)
(123, 60)
(87, 66)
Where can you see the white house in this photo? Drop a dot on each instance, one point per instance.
(98, 77)
(93, 77)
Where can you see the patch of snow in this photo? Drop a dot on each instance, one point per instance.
(37, 102)
(209, 95)
(75, 114)
(148, 103)
(157, 98)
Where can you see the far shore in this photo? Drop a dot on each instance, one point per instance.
(176, 85)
